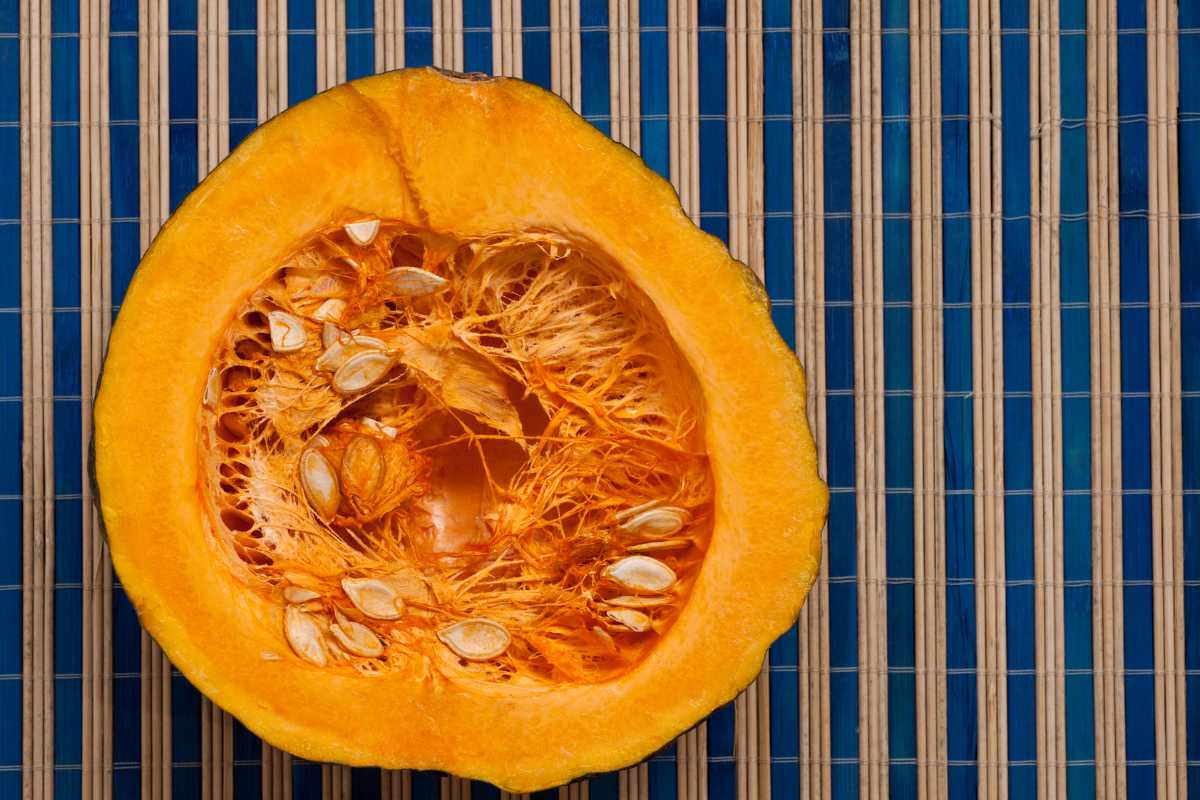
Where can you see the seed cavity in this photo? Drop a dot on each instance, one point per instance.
(362, 467)
(355, 637)
(304, 636)
(373, 597)
(477, 639)
(414, 281)
(361, 372)
(298, 594)
(664, 521)
(320, 483)
(635, 621)
(641, 574)
(362, 233)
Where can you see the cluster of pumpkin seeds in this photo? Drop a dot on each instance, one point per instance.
(345, 484)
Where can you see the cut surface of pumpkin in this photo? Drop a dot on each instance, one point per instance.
(479, 427)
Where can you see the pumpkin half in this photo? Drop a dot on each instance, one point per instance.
(433, 434)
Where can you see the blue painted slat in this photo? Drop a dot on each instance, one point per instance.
(839, 408)
(958, 430)
(653, 52)
(1135, 411)
(477, 36)
(1076, 411)
(535, 41)
(360, 38)
(779, 256)
(898, 403)
(1018, 405)
(301, 50)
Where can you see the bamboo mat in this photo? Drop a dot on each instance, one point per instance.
(979, 224)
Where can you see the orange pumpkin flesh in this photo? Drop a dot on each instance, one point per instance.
(574, 349)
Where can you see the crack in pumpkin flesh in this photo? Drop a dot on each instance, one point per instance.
(488, 474)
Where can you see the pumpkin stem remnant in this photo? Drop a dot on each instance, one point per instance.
(482, 458)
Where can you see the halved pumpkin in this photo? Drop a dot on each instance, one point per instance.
(433, 434)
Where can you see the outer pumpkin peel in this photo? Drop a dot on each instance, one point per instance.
(734, 514)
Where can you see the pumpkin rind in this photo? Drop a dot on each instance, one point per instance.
(468, 157)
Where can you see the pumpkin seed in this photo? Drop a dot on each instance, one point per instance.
(329, 334)
(414, 281)
(641, 574)
(298, 594)
(343, 348)
(356, 637)
(212, 388)
(362, 232)
(605, 637)
(379, 427)
(362, 467)
(287, 332)
(663, 521)
(660, 544)
(477, 639)
(636, 621)
(330, 311)
(361, 371)
(269, 655)
(304, 636)
(409, 585)
(320, 483)
(373, 597)
(631, 601)
(625, 514)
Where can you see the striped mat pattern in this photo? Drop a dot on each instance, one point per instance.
(979, 224)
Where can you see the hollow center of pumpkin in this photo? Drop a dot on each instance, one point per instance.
(466, 459)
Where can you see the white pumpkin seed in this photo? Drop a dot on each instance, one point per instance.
(641, 574)
(330, 311)
(356, 637)
(320, 483)
(329, 334)
(298, 594)
(477, 639)
(287, 332)
(660, 544)
(269, 655)
(379, 427)
(373, 597)
(621, 516)
(304, 636)
(632, 601)
(663, 521)
(361, 371)
(341, 351)
(212, 388)
(413, 281)
(636, 621)
(362, 232)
